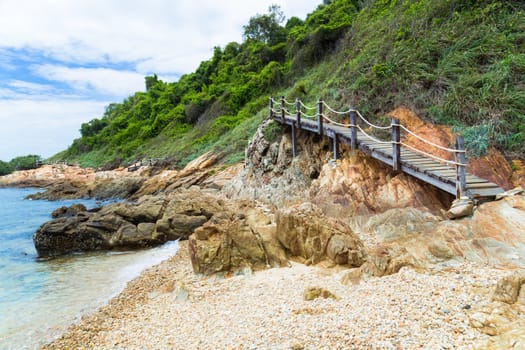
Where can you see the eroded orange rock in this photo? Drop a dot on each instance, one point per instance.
(438, 134)
(493, 167)
(357, 185)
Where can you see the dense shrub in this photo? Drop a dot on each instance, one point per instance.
(5, 168)
(26, 162)
(456, 62)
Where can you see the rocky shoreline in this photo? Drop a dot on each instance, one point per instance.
(170, 307)
(294, 253)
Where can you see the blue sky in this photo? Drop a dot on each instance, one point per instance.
(63, 61)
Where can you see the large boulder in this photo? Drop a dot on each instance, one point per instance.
(243, 238)
(151, 221)
(88, 231)
(493, 235)
(187, 210)
(70, 211)
(503, 318)
(307, 233)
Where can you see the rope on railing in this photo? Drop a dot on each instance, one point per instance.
(288, 103)
(370, 124)
(429, 142)
(308, 116)
(334, 111)
(306, 107)
(335, 123)
(287, 112)
(373, 138)
(366, 121)
(450, 162)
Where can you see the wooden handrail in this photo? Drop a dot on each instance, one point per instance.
(337, 135)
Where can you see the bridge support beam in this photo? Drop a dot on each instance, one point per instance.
(335, 146)
(294, 141)
(320, 117)
(298, 111)
(353, 130)
(282, 109)
(396, 145)
(461, 178)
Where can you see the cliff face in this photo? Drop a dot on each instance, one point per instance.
(400, 219)
(352, 185)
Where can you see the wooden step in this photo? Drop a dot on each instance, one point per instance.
(482, 185)
(492, 192)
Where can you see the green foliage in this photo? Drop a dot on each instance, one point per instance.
(477, 138)
(272, 131)
(5, 168)
(266, 28)
(455, 62)
(26, 162)
(320, 33)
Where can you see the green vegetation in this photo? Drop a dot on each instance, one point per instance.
(5, 168)
(20, 163)
(459, 62)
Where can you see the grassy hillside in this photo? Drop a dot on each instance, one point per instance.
(459, 62)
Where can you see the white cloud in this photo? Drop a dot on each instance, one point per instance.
(103, 80)
(26, 87)
(174, 36)
(42, 127)
(115, 44)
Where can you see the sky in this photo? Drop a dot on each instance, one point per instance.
(62, 62)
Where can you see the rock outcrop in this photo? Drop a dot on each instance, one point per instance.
(243, 237)
(224, 236)
(308, 234)
(493, 235)
(504, 316)
(271, 174)
(358, 185)
(150, 221)
(353, 185)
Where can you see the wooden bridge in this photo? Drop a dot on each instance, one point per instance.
(446, 174)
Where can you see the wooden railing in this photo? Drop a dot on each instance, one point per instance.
(353, 119)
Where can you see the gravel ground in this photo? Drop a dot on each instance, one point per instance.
(169, 307)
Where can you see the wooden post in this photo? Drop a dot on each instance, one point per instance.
(336, 146)
(271, 107)
(461, 178)
(396, 147)
(282, 109)
(294, 141)
(353, 130)
(320, 116)
(298, 111)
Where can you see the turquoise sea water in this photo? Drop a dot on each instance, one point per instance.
(39, 299)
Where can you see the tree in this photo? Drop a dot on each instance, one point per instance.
(266, 28)
(26, 162)
(151, 81)
(5, 168)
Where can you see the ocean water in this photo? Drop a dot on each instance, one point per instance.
(40, 299)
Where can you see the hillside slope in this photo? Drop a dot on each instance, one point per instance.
(457, 62)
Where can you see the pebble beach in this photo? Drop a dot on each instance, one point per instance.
(170, 307)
